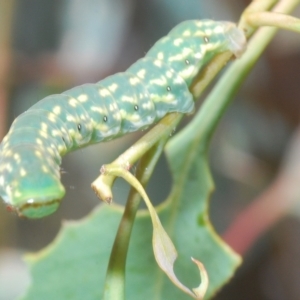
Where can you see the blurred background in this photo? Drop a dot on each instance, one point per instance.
(47, 47)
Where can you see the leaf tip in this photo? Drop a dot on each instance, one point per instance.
(202, 288)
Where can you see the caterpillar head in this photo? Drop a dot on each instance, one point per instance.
(236, 39)
(28, 183)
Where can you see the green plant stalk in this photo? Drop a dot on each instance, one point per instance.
(115, 283)
(274, 19)
(254, 6)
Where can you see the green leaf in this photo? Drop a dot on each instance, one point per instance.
(186, 210)
(74, 266)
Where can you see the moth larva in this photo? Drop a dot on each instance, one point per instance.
(30, 154)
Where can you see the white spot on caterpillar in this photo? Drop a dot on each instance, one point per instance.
(113, 87)
(169, 74)
(70, 118)
(186, 33)
(178, 80)
(160, 82)
(98, 109)
(17, 157)
(124, 114)
(52, 118)
(185, 52)
(209, 47)
(38, 153)
(8, 153)
(30, 201)
(50, 151)
(198, 55)
(39, 141)
(113, 106)
(45, 169)
(104, 92)
(158, 63)
(73, 102)
(43, 134)
(199, 33)
(72, 132)
(117, 116)
(134, 80)
(177, 57)
(160, 55)
(82, 117)
(177, 42)
(218, 29)
(61, 148)
(83, 98)
(128, 99)
(8, 167)
(141, 73)
(57, 109)
(23, 172)
(209, 32)
(186, 73)
(147, 105)
(44, 126)
(55, 132)
(1, 181)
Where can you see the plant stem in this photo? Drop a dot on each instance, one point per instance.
(274, 19)
(115, 283)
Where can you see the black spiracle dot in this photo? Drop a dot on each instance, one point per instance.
(63, 139)
(105, 118)
(136, 107)
(79, 127)
(206, 39)
(169, 89)
(187, 62)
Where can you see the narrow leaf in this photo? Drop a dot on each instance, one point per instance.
(164, 250)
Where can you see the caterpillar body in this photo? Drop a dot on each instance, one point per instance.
(30, 154)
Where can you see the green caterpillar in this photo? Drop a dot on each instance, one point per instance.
(30, 154)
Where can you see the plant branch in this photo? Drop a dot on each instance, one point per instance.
(114, 282)
(278, 20)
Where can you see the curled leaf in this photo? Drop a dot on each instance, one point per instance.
(166, 254)
(202, 288)
(164, 250)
